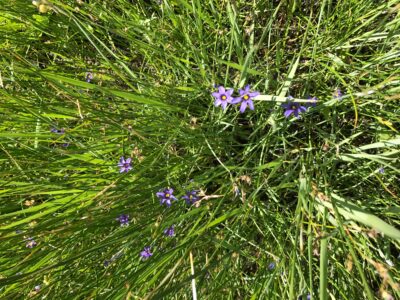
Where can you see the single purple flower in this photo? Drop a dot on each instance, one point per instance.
(31, 243)
(313, 103)
(166, 196)
(294, 108)
(106, 263)
(337, 94)
(37, 288)
(245, 98)
(54, 130)
(271, 266)
(89, 76)
(123, 219)
(65, 145)
(223, 97)
(381, 170)
(125, 165)
(170, 231)
(191, 197)
(145, 254)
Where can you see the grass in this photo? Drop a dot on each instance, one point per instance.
(289, 207)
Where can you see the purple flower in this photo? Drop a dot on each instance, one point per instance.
(106, 263)
(54, 130)
(31, 243)
(223, 97)
(381, 170)
(89, 76)
(37, 288)
(165, 196)
(337, 94)
(191, 197)
(294, 108)
(271, 266)
(123, 219)
(313, 103)
(125, 165)
(246, 99)
(170, 231)
(145, 254)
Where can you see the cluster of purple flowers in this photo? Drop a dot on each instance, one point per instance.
(166, 196)
(224, 97)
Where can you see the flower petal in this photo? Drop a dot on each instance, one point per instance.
(229, 92)
(221, 89)
(236, 100)
(243, 106)
(253, 94)
(215, 94)
(217, 102)
(251, 105)
(288, 112)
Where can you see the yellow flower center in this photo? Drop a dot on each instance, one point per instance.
(167, 195)
(191, 197)
(246, 97)
(294, 107)
(223, 97)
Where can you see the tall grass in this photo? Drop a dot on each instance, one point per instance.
(289, 207)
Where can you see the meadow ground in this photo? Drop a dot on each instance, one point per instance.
(122, 176)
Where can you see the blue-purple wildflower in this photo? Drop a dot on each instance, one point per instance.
(381, 170)
(89, 76)
(191, 197)
(337, 94)
(170, 231)
(55, 130)
(294, 108)
(271, 266)
(308, 297)
(123, 220)
(31, 243)
(245, 99)
(124, 164)
(145, 254)
(223, 97)
(166, 196)
(313, 102)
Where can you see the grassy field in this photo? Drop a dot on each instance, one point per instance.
(122, 176)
